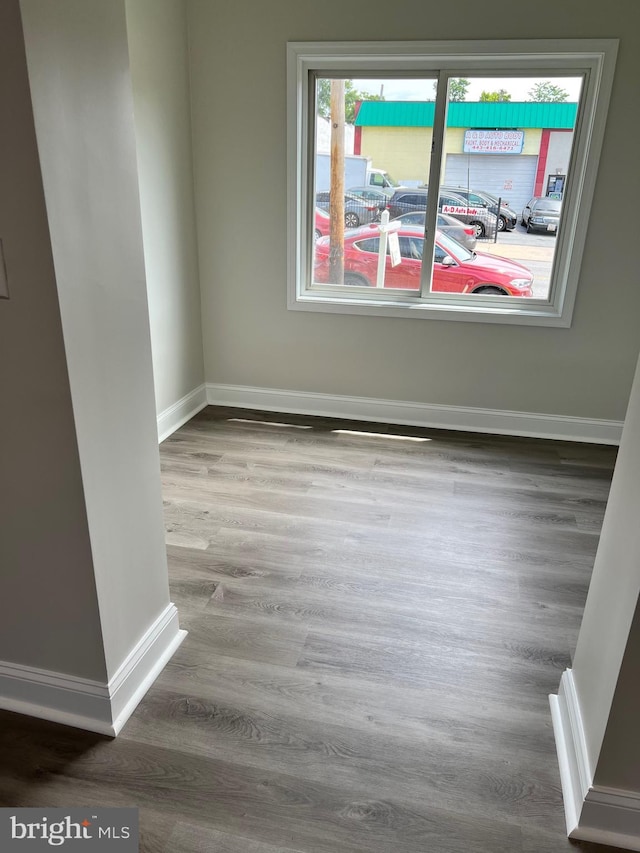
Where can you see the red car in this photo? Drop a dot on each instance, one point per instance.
(455, 270)
(322, 223)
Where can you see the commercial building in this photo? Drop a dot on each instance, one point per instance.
(513, 150)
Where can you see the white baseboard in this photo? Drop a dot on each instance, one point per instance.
(610, 816)
(179, 413)
(93, 705)
(499, 422)
(143, 665)
(593, 813)
(575, 772)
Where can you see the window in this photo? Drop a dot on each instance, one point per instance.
(473, 132)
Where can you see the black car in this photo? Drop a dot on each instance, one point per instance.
(508, 217)
(408, 200)
(542, 214)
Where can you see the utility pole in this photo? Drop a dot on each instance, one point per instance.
(336, 206)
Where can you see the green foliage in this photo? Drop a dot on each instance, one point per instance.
(458, 88)
(500, 95)
(547, 91)
(351, 97)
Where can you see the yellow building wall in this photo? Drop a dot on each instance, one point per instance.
(532, 138)
(401, 151)
(404, 151)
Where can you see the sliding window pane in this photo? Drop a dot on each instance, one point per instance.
(372, 147)
(506, 162)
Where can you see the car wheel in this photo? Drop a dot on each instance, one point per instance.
(351, 220)
(352, 279)
(502, 223)
(318, 235)
(479, 229)
(491, 290)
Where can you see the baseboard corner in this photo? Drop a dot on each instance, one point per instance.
(95, 706)
(176, 415)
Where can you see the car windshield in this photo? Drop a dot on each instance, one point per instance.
(548, 205)
(452, 247)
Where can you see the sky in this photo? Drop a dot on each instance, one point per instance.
(422, 90)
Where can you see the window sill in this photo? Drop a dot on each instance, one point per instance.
(536, 313)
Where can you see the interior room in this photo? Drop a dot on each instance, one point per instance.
(287, 579)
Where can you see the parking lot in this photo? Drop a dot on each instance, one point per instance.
(534, 251)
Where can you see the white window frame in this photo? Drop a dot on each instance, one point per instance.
(592, 58)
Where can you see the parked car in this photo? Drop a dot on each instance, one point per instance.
(455, 270)
(357, 210)
(542, 214)
(463, 234)
(508, 217)
(379, 195)
(407, 200)
(322, 223)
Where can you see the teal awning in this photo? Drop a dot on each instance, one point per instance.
(491, 114)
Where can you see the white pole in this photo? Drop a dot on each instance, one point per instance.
(382, 251)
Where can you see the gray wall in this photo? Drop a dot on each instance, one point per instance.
(619, 764)
(46, 570)
(160, 77)
(78, 61)
(239, 121)
(609, 635)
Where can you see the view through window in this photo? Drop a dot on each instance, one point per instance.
(505, 147)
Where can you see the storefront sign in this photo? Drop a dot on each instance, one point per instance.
(493, 141)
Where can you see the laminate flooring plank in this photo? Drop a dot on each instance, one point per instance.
(487, 624)
(486, 542)
(198, 838)
(272, 807)
(246, 638)
(234, 475)
(376, 615)
(210, 520)
(462, 671)
(191, 595)
(251, 555)
(559, 493)
(381, 765)
(223, 503)
(357, 702)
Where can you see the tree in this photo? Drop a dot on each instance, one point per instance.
(458, 88)
(547, 91)
(351, 97)
(500, 95)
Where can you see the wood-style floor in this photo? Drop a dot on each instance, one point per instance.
(376, 617)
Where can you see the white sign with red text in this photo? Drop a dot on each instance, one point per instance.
(459, 210)
(493, 141)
